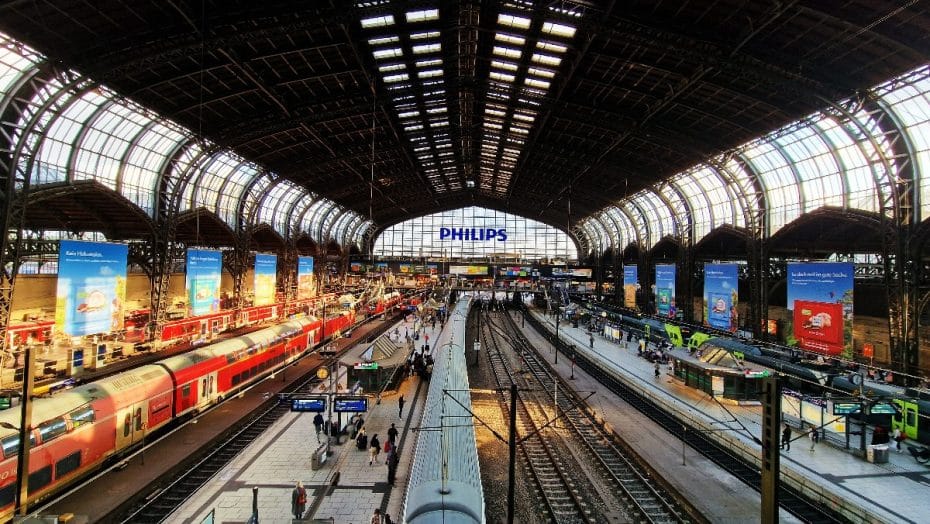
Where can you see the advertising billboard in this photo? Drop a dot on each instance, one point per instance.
(381, 267)
(266, 274)
(355, 267)
(203, 278)
(630, 283)
(721, 296)
(405, 268)
(305, 283)
(665, 290)
(820, 304)
(468, 270)
(433, 269)
(91, 290)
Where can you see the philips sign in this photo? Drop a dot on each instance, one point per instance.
(462, 233)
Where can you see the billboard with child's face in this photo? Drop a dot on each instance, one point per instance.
(820, 304)
(721, 296)
(91, 288)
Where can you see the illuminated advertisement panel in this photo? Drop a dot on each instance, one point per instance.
(630, 282)
(665, 290)
(721, 296)
(433, 269)
(91, 287)
(820, 303)
(468, 270)
(305, 285)
(405, 268)
(266, 274)
(203, 278)
(381, 266)
(355, 267)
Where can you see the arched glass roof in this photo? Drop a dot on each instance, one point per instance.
(72, 130)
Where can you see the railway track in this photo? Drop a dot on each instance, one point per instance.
(789, 499)
(596, 461)
(156, 507)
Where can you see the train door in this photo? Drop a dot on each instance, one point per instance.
(129, 423)
(907, 420)
(207, 388)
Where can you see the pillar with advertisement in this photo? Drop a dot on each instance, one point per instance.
(820, 307)
(630, 285)
(665, 290)
(721, 296)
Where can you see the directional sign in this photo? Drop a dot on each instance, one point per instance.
(845, 408)
(883, 408)
(350, 404)
(313, 404)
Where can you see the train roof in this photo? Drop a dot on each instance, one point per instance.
(731, 345)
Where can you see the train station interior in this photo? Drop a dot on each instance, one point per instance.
(723, 192)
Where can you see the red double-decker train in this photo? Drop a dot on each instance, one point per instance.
(74, 432)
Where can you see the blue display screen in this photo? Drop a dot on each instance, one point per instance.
(316, 405)
(350, 404)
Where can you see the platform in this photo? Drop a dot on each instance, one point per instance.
(879, 489)
(282, 456)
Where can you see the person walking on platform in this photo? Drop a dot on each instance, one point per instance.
(392, 462)
(591, 340)
(657, 369)
(318, 424)
(400, 407)
(642, 346)
(813, 436)
(786, 438)
(898, 437)
(298, 500)
(392, 434)
(373, 449)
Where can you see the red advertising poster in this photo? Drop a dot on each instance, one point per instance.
(818, 326)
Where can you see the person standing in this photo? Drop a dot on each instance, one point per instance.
(786, 438)
(298, 500)
(898, 437)
(392, 434)
(813, 436)
(318, 424)
(374, 448)
(392, 462)
(376, 517)
(591, 340)
(657, 369)
(400, 407)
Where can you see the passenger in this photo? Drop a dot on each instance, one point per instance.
(392, 434)
(374, 449)
(591, 340)
(318, 424)
(376, 517)
(642, 346)
(898, 438)
(400, 407)
(298, 500)
(657, 369)
(361, 440)
(812, 435)
(392, 461)
(786, 438)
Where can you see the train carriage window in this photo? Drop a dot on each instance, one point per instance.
(203, 388)
(186, 390)
(236, 379)
(7, 495)
(40, 479)
(52, 429)
(911, 416)
(67, 464)
(138, 419)
(127, 425)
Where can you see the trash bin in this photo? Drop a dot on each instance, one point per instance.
(877, 454)
(318, 458)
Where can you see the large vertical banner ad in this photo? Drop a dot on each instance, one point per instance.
(266, 274)
(91, 289)
(630, 283)
(820, 307)
(305, 287)
(204, 276)
(721, 296)
(665, 290)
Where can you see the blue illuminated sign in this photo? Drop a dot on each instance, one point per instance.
(473, 234)
(313, 405)
(350, 404)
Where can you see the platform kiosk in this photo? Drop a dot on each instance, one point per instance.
(721, 374)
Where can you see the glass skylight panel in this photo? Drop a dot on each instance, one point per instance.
(436, 110)
(545, 73)
(378, 21)
(428, 63)
(383, 40)
(551, 47)
(415, 127)
(524, 117)
(507, 20)
(426, 48)
(510, 39)
(392, 52)
(391, 67)
(542, 84)
(494, 112)
(507, 52)
(540, 58)
(408, 114)
(429, 73)
(503, 77)
(396, 78)
(501, 64)
(552, 28)
(422, 15)
(424, 35)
